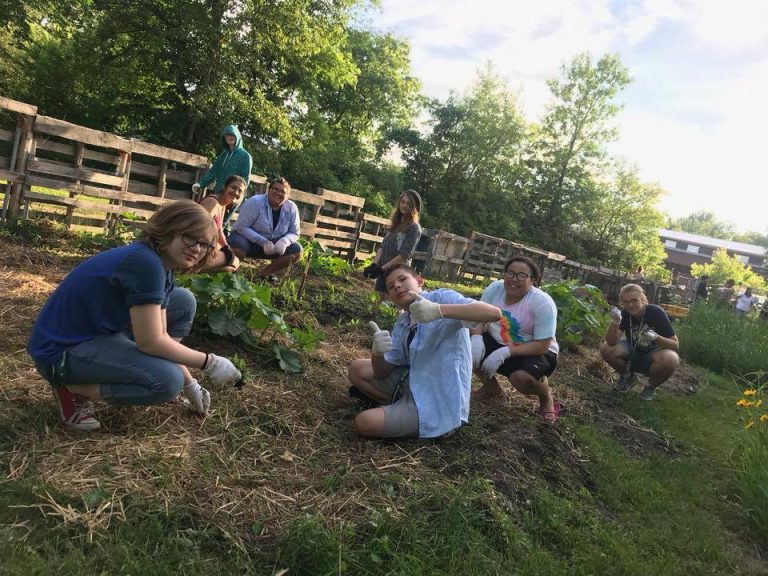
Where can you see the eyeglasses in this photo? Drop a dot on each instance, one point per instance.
(520, 276)
(191, 242)
(630, 301)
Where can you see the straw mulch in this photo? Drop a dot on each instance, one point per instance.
(278, 449)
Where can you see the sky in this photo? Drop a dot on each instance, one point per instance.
(695, 117)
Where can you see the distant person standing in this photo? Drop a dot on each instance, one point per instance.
(400, 242)
(702, 290)
(728, 293)
(233, 159)
(746, 302)
(639, 273)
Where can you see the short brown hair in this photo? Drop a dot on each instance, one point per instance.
(280, 180)
(181, 217)
(405, 267)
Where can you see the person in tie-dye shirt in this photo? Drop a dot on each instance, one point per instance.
(522, 345)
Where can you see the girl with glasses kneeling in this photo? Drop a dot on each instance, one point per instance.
(522, 345)
(111, 331)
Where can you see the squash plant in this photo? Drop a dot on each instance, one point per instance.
(581, 311)
(233, 307)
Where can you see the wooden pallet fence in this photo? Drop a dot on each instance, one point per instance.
(445, 256)
(338, 222)
(371, 232)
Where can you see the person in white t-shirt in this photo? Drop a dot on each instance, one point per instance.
(522, 345)
(746, 302)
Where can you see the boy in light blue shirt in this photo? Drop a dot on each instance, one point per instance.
(422, 373)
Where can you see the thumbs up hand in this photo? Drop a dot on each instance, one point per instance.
(423, 310)
(382, 341)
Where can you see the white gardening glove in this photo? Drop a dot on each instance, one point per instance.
(647, 338)
(195, 188)
(269, 248)
(281, 246)
(478, 350)
(198, 396)
(221, 371)
(615, 315)
(382, 341)
(423, 310)
(494, 360)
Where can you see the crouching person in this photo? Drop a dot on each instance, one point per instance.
(422, 373)
(111, 329)
(650, 347)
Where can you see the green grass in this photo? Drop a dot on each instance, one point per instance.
(714, 337)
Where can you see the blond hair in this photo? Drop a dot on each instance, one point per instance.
(636, 288)
(181, 217)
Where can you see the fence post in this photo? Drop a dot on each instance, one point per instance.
(25, 127)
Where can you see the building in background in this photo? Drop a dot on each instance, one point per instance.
(684, 249)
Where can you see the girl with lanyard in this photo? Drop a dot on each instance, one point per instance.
(650, 346)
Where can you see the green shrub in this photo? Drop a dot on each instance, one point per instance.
(714, 337)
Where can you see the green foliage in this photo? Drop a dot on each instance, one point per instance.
(724, 267)
(752, 454)
(581, 311)
(323, 260)
(715, 337)
(703, 223)
(232, 307)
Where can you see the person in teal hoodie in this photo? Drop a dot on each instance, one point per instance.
(233, 159)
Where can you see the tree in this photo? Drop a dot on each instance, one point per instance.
(724, 267)
(569, 147)
(703, 223)
(620, 223)
(466, 167)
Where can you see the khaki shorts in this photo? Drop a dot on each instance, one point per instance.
(401, 418)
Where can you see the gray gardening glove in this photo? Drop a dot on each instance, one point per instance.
(615, 315)
(221, 371)
(198, 396)
(382, 341)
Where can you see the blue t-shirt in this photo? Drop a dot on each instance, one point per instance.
(96, 297)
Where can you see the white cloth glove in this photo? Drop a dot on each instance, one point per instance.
(269, 248)
(281, 246)
(382, 341)
(495, 359)
(423, 310)
(615, 315)
(198, 396)
(221, 371)
(647, 338)
(478, 351)
(195, 187)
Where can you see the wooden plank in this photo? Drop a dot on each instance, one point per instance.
(306, 198)
(69, 150)
(5, 162)
(6, 135)
(48, 125)
(376, 219)
(337, 222)
(333, 243)
(16, 106)
(141, 147)
(336, 233)
(74, 172)
(340, 198)
(95, 191)
(11, 176)
(371, 237)
(75, 202)
(308, 230)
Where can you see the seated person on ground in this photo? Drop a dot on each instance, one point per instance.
(268, 227)
(522, 345)
(111, 331)
(422, 373)
(651, 344)
(216, 204)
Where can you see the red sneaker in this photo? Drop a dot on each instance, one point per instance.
(74, 410)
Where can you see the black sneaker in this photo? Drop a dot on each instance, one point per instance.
(366, 401)
(625, 382)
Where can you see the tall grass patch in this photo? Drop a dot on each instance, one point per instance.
(714, 337)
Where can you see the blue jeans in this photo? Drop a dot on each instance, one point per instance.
(126, 375)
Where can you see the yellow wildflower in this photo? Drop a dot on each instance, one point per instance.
(741, 402)
(759, 403)
(750, 392)
(764, 418)
(750, 424)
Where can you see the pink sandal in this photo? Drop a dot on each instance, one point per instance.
(551, 415)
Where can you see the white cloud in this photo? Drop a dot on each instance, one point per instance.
(694, 117)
